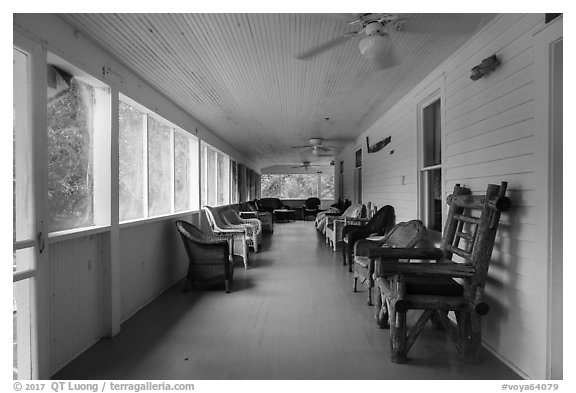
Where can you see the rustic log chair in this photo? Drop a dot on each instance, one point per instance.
(209, 256)
(431, 287)
(253, 227)
(403, 235)
(380, 224)
(218, 226)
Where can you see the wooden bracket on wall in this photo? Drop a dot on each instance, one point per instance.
(377, 146)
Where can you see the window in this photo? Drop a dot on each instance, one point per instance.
(71, 104)
(297, 186)
(234, 178)
(251, 180)
(431, 166)
(341, 181)
(326, 186)
(158, 165)
(184, 193)
(159, 168)
(358, 177)
(223, 178)
(132, 135)
(215, 176)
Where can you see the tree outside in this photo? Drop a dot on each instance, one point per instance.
(131, 166)
(70, 161)
(297, 186)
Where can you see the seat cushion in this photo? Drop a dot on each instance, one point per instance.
(433, 286)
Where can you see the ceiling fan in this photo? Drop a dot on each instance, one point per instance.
(306, 165)
(376, 44)
(317, 147)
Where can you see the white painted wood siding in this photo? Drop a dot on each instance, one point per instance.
(488, 137)
(75, 306)
(152, 258)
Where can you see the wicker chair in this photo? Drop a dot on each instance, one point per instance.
(335, 224)
(253, 227)
(320, 221)
(209, 256)
(218, 226)
(311, 207)
(403, 235)
(251, 211)
(380, 224)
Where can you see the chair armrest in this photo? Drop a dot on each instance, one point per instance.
(338, 224)
(439, 269)
(241, 230)
(406, 253)
(356, 221)
(248, 214)
(254, 222)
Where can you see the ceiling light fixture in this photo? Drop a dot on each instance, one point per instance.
(375, 46)
(377, 43)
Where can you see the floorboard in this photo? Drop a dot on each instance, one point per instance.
(291, 315)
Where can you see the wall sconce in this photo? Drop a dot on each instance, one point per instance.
(488, 64)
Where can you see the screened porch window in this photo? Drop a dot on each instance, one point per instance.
(215, 176)
(70, 113)
(158, 165)
(297, 186)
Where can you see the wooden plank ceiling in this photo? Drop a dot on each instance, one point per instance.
(238, 74)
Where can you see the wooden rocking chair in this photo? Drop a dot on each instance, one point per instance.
(431, 287)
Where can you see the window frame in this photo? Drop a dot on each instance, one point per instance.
(100, 149)
(193, 162)
(422, 170)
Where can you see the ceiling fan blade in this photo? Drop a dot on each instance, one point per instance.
(342, 16)
(436, 26)
(324, 47)
(390, 60)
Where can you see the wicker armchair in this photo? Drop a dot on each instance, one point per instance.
(380, 224)
(209, 256)
(253, 227)
(335, 224)
(320, 221)
(311, 207)
(251, 211)
(403, 235)
(218, 226)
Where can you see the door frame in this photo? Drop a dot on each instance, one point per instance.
(39, 306)
(549, 186)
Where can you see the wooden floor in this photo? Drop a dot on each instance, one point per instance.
(292, 315)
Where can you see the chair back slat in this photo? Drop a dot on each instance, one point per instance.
(468, 219)
(473, 220)
(458, 251)
(464, 235)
